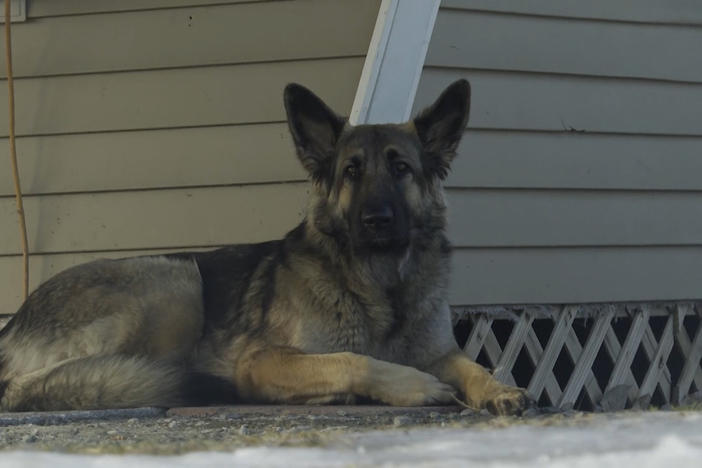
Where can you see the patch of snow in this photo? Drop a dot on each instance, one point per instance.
(644, 440)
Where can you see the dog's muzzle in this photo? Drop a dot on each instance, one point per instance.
(379, 225)
(378, 220)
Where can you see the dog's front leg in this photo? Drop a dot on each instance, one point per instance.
(286, 375)
(478, 386)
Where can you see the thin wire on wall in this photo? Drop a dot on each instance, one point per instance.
(13, 150)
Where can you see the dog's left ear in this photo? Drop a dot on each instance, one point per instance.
(440, 127)
(315, 129)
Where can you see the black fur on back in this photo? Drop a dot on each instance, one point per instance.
(226, 274)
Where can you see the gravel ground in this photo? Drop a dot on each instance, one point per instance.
(193, 429)
(157, 431)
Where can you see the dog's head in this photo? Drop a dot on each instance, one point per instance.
(377, 185)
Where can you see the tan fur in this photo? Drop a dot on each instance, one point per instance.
(94, 382)
(286, 375)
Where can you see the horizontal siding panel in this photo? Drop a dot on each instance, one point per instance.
(174, 98)
(514, 218)
(210, 35)
(489, 276)
(39, 8)
(656, 11)
(154, 219)
(542, 276)
(557, 103)
(43, 267)
(577, 160)
(230, 214)
(153, 159)
(264, 153)
(489, 41)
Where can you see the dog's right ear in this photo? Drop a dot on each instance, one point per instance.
(315, 129)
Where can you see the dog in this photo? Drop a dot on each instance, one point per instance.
(350, 304)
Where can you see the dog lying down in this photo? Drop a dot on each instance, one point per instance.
(351, 303)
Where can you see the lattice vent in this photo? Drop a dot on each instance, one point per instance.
(590, 357)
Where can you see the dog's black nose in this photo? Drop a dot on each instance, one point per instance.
(377, 218)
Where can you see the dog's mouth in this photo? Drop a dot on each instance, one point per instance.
(386, 243)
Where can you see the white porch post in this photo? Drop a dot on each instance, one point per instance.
(394, 62)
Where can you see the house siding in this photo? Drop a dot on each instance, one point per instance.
(158, 125)
(578, 178)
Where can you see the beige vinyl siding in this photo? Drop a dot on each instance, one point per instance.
(182, 97)
(578, 179)
(58, 163)
(151, 219)
(546, 102)
(39, 8)
(159, 124)
(45, 266)
(575, 274)
(126, 160)
(100, 221)
(616, 273)
(559, 46)
(523, 159)
(644, 11)
(195, 36)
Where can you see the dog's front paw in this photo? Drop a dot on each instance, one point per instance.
(419, 389)
(507, 400)
(399, 385)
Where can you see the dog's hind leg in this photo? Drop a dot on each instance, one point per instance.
(109, 381)
(286, 375)
(108, 334)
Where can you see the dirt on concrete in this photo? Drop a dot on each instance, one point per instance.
(160, 431)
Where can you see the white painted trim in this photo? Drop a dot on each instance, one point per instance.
(394, 61)
(18, 11)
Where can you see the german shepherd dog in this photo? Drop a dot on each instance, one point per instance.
(351, 303)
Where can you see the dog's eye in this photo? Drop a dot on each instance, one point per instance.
(351, 171)
(400, 168)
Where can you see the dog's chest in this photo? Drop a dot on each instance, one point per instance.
(377, 330)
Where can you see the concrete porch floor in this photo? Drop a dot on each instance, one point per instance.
(178, 430)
